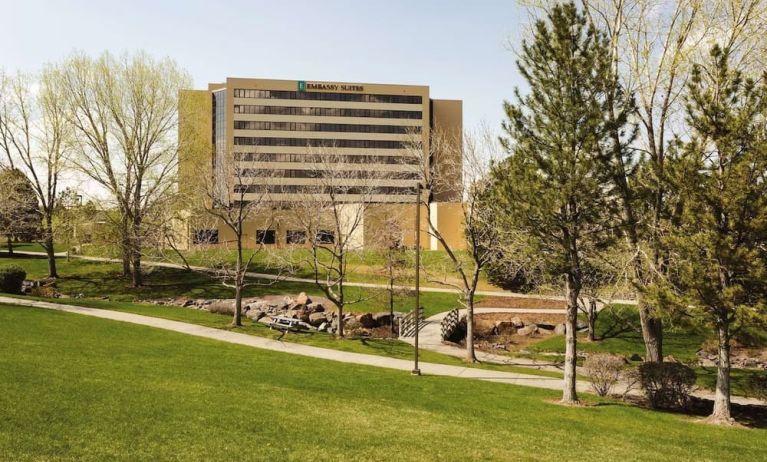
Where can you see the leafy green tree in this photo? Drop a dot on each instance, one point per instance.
(19, 213)
(720, 245)
(551, 186)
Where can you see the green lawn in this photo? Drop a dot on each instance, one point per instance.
(96, 279)
(31, 247)
(80, 388)
(364, 265)
(680, 343)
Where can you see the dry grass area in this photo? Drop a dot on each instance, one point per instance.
(521, 302)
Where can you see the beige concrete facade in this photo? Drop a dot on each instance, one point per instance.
(295, 140)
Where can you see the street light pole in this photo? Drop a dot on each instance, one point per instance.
(416, 370)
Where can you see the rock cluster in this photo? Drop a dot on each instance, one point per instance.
(516, 326)
(301, 307)
(739, 359)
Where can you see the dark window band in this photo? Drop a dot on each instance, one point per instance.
(322, 127)
(312, 142)
(326, 111)
(330, 174)
(319, 158)
(321, 96)
(318, 189)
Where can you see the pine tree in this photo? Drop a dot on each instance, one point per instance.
(551, 188)
(721, 177)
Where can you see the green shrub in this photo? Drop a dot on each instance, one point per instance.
(11, 278)
(605, 371)
(667, 385)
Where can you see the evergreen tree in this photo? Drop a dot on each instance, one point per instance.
(720, 245)
(552, 187)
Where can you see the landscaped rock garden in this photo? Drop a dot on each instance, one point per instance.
(509, 331)
(317, 314)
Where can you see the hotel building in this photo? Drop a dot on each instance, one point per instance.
(280, 138)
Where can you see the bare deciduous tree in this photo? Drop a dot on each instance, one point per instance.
(331, 214)
(35, 133)
(124, 111)
(464, 161)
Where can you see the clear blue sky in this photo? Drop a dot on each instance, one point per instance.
(458, 48)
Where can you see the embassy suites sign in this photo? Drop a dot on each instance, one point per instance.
(336, 87)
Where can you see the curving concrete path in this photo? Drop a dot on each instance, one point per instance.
(303, 350)
(325, 353)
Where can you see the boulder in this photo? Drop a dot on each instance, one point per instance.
(188, 303)
(255, 315)
(221, 307)
(323, 327)
(367, 321)
(505, 328)
(317, 319)
(315, 307)
(560, 329)
(351, 323)
(517, 322)
(265, 320)
(302, 299)
(528, 330)
(382, 318)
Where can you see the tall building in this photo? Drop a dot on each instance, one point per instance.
(283, 137)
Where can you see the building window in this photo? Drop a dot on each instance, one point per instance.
(205, 236)
(265, 236)
(325, 237)
(295, 236)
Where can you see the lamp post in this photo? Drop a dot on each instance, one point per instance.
(416, 370)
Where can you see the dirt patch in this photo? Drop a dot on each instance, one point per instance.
(521, 302)
(488, 337)
(491, 318)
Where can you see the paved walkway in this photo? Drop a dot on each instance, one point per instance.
(324, 353)
(304, 350)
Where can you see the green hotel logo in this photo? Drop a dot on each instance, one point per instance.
(301, 85)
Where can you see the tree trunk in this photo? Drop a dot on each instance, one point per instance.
(652, 333)
(126, 256)
(10, 246)
(136, 252)
(237, 321)
(592, 319)
(569, 394)
(721, 413)
(52, 271)
(238, 281)
(471, 357)
(391, 302)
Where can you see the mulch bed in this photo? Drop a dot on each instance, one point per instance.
(520, 302)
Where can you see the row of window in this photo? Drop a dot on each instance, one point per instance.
(323, 189)
(326, 111)
(318, 96)
(363, 144)
(266, 236)
(330, 174)
(317, 127)
(320, 158)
